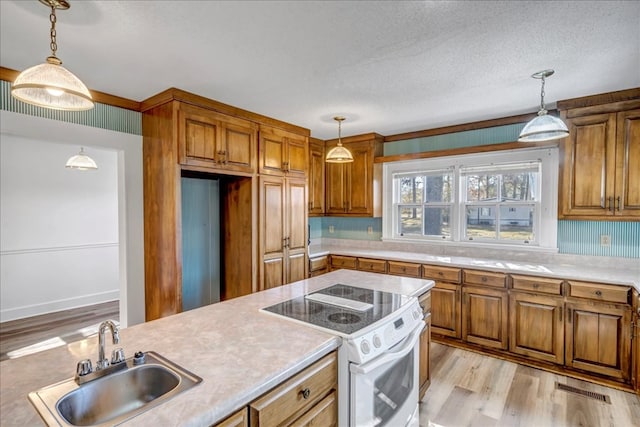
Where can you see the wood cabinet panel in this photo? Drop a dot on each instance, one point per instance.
(599, 291)
(424, 373)
(239, 419)
(627, 164)
(484, 278)
(239, 149)
(319, 263)
(316, 177)
(445, 309)
(287, 402)
(399, 268)
(485, 317)
(636, 352)
(598, 339)
(448, 274)
(536, 327)
(374, 265)
(323, 414)
(282, 153)
(296, 267)
(341, 261)
(537, 284)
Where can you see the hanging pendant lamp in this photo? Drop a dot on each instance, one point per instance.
(50, 85)
(543, 127)
(81, 162)
(339, 154)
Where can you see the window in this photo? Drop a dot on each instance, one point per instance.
(492, 198)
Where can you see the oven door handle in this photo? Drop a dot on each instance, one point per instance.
(385, 358)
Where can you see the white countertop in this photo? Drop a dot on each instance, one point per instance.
(238, 351)
(591, 272)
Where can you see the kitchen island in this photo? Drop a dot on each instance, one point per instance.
(240, 353)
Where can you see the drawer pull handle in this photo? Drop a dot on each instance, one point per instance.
(484, 279)
(440, 273)
(306, 393)
(599, 293)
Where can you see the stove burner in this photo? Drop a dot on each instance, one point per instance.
(339, 290)
(344, 318)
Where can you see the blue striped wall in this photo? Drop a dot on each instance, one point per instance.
(583, 238)
(101, 116)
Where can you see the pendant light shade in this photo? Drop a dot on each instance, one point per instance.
(50, 85)
(543, 127)
(81, 162)
(339, 154)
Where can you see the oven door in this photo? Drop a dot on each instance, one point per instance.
(384, 391)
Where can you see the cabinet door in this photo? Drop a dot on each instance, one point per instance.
(589, 165)
(238, 146)
(272, 153)
(296, 230)
(239, 419)
(424, 374)
(599, 339)
(296, 162)
(198, 137)
(359, 179)
(316, 178)
(484, 317)
(627, 170)
(324, 413)
(536, 326)
(445, 309)
(272, 232)
(336, 184)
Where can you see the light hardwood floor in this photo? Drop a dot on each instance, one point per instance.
(38, 333)
(469, 389)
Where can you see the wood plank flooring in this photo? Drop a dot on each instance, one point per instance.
(470, 389)
(38, 333)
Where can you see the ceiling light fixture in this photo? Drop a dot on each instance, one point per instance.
(339, 154)
(81, 162)
(50, 85)
(543, 127)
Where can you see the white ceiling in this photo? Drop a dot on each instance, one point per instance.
(389, 67)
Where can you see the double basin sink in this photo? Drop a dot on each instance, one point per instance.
(114, 398)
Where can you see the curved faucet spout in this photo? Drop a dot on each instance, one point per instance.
(103, 362)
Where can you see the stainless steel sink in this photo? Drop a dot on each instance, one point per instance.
(114, 398)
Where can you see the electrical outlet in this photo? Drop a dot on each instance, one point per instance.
(369, 230)
(605, 240)
(331, 229)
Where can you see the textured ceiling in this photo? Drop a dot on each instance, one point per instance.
(389, 67)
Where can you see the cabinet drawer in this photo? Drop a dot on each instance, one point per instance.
(599, 291)
(404, 268)
(319, 263)
(339, 261)
(239, 419)
(425, 302)
(447, 274)
(325, 413)
(537, 284)
(375, 265)
(287, 402)
(484, 278)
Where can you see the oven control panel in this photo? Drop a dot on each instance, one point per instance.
(389, 332)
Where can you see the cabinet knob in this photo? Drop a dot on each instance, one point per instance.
(306, 393)
(599, 293)
(484, 279)
(440, 273)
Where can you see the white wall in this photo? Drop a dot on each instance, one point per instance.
(69, 238)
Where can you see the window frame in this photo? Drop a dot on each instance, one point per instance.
(545, 227)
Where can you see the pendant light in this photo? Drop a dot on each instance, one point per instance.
(50, 85)
(81, 162)
(543, 127)
(339, 154)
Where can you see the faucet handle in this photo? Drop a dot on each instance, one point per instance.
(117, 356)
(83, 368)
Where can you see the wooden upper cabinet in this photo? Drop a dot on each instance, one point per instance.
(282, 153)
(355, 189)
(215, 141)
(316, 177)
(600, 177)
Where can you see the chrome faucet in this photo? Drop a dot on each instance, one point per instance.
(103, 362)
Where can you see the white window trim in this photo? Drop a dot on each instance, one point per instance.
(548, 222)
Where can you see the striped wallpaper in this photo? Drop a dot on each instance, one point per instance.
(101, 116)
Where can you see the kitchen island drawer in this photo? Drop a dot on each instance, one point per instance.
(340, 261)
(537, 284)
(447, 274)
(374, 265)
(484, 278)
(401, 268)
(295, 397)
(599, 291)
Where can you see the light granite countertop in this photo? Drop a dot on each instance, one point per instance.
(239, 352)
(618, 275)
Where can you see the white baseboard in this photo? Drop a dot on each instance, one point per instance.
(58, 305)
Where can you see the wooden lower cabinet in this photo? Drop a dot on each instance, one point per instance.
(400, 268)
(536, 327)
(636, 309)
(445, 311)
(485, 317)
(340, 261)
(318, 265)
(598, 339)
(239, 419)
(424, 374)
(373, 265)
(306, 399)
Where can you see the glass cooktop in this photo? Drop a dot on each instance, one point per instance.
(340, 308)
